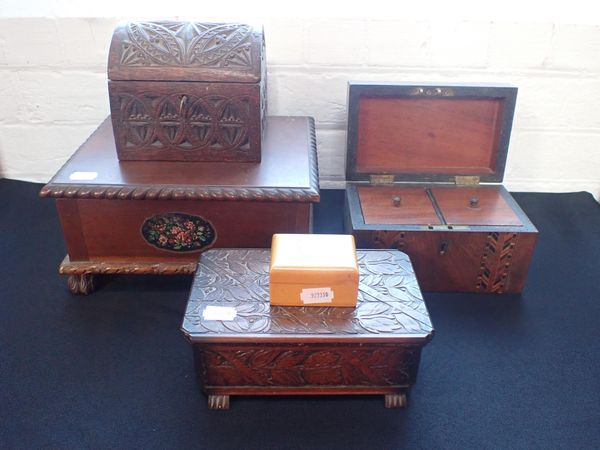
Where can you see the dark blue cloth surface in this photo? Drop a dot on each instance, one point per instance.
(113, 370)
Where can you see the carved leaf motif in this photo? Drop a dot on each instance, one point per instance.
(408, 322)
(263, 358)
(322, 359)
(380, 324)
(236, 267)
(258, 309)
(290, 358)
(287, 377)
(182, 120)
(414, 291)
(351, 372)
(213, 294)
(243, 355)
(398, 293)
(383, 268)
(282, 366)
(214, 359)
(377, 358)
(235, 293)
(372, 279)
(210, 325)
(384, 304)
(256, 266)
(158, 42)
(285, 323)
(372, 309)
(187, 44)
(393, 281)
(372, 257)
(328, 376)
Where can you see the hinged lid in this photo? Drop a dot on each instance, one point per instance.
(381, 179)
(466, 180)
(186, 51)
(455, 133)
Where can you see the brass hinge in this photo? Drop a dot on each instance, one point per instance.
(381, 179)
(466, 180)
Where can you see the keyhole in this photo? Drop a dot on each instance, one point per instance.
(443, 248)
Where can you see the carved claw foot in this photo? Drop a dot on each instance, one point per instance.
(218, 401)
(395, 400)
(81, 284)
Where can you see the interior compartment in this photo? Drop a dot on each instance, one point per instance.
(474, 206)
(415, 206)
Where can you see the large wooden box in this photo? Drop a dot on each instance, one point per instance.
(187, 91)
(149, 217)
(244, 346)
(423, 163)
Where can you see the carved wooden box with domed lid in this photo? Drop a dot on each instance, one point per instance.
(187, 91)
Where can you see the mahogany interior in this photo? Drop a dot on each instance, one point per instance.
(378, 206)
(428, 135)
(417, 208)
(492, 209)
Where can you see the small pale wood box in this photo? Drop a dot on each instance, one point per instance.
(313, 269)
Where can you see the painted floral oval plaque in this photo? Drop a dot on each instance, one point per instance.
(178, 232)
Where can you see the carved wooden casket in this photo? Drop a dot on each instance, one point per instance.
(155, 217)
(417, 155)
(244, 346)
(187, 91)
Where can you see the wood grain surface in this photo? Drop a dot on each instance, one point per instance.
(419, 135)
(288, 171)
(415, 207)
(490, 207)
(390, 304)
(487, 248)
(425, 135)
(374, 348)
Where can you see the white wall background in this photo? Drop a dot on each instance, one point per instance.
(53, 74)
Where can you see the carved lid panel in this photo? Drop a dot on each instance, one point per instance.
(390, 304)
(427, 132)
(186, 51)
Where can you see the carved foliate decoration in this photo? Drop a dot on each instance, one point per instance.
(389, 298)
(68, 267)
(376, 365)
(187, 44)
(178, 232)
(495, 262)
(184, 121)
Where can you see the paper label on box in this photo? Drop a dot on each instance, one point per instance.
(83, 176)
(316, 295)
(225, 313)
